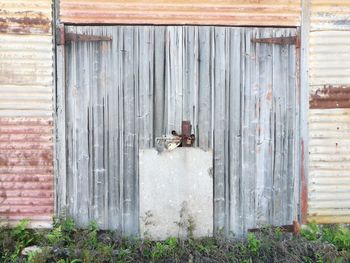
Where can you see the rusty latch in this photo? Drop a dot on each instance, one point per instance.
(186, 139)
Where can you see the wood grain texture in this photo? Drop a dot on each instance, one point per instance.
(180, 12)
(240, 97)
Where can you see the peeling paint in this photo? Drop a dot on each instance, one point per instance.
(26, 19)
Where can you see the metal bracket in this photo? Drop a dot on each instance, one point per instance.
(64, 37)
(277, 40)
(295, 228)
(73, 37)
(60, 35)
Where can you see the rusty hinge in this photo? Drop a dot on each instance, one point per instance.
(277, 40)
(64, 37)
(295, 228)
(69, 37)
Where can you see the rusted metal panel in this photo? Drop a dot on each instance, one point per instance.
(199, 12)
(26, 16)
(329, 188)
(330, 15)
(330, 97)
(26, 94)
(26, 167)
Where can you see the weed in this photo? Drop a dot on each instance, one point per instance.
(62, 231)
(311, 232)
(69, 261)
(341, 238)
(64, 243)
(278, 234)
(19, 237)
(186, 224)
(253, 243)
(147, 220)
(56, 237)
(92, 234)
(39, 256)
(319, 258)
(337, 235)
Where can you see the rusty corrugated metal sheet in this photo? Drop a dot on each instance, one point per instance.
(25, 16)
(26, 183)
(329, 180)
(26, 129)
(330, 97)
(199, 12)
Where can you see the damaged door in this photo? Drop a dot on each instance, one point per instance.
(127, 88)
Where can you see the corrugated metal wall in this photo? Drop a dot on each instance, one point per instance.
(240, 97)
(26, 86)
(199, 12)
(330, 15)
(329, 177)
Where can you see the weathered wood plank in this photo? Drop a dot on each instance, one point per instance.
(61, 179)
(239, 96)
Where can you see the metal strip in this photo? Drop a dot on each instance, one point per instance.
(276, 40)
(72, 37)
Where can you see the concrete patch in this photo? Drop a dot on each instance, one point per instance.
(174, 183)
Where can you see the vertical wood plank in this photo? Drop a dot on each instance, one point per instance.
(61, 178)
(204, 90)
(219, 129)
(129, 201)
(159, 81)
(234, 129)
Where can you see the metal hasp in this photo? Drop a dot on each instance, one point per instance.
(187, 139)
(294, 40)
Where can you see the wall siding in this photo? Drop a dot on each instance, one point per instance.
(26, 125)
(329, 111)
(240, 97)
(179, 12)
